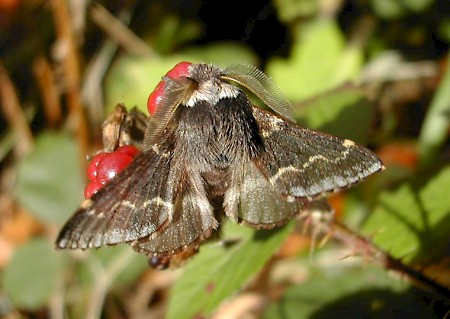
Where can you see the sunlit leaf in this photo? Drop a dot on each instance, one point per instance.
(412, 221)
(437, 122)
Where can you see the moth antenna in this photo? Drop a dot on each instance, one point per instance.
(257, 82)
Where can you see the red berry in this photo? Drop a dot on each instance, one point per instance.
(110, 165)
(92, 168)
(128, 149)
(155, 98)
(91, 189)
(179, 70)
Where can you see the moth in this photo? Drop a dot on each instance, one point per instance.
(208, 153)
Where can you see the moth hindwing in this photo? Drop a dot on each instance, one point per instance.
(208, 153)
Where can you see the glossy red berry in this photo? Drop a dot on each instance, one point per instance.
(155, 98)
(92, 168)
(105, 166)
(128, 149)
(110, 165)
(92, 188)
(179, 70)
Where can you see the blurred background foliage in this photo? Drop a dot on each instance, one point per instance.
(373, 71)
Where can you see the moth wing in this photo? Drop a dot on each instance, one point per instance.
(135, 204)
(255, 202)
(303, 163)
(192, 223)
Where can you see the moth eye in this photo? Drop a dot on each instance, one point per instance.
(179, 70)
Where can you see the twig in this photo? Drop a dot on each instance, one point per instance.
(92, 90)
(92, 83)
(56, 306)
(71, 68)
(119, 32)
(345, 235)
(14, 114)
(104, 278)
(49, 91)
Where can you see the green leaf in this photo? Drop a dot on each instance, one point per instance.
(367, 292)
(174, 31)
(332, 112)
(218, 272)
(412, 221)
(437, 122)
(30, 277)
(417, 5)
(320, 60)
(49, 181)
(290, 10)
(444, 29)
(392, 9)
(388, 9)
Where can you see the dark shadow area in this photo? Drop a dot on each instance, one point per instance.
(384, 304)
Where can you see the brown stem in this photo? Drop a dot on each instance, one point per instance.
(48, 90)
(117, 31)
(14, 114)
(347, 236)
(71, 69)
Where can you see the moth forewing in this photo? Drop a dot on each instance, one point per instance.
(303, 163)
(133, 205)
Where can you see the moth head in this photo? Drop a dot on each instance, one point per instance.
(188, 84)
(212, 85)
(209, 86)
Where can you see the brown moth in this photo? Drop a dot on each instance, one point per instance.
(208, 153)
